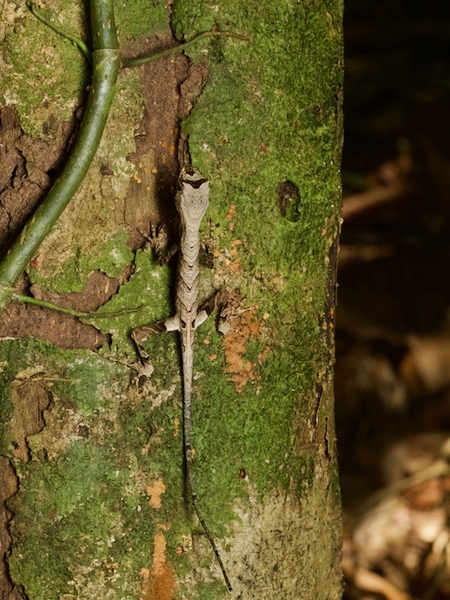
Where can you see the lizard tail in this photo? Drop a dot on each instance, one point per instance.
(200, 516)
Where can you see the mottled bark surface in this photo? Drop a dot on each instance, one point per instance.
(91, 465)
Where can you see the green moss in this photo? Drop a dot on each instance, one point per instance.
(205, 591)
(49, 92)
(255, 433)
(114, 256)
(273, 100)
(9, 359)
(75, 508)
(87, 504)
(84, 374)
(140, 18)
(17, 359)
(147, 291)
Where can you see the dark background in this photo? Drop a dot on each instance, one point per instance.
(393, 316)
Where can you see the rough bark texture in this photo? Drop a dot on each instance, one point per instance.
(91, 466)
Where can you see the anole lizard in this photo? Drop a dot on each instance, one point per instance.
(192, 202)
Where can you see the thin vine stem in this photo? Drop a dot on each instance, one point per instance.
(72, 311)
(135, 62)
(76, 41)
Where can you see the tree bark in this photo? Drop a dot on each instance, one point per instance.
(94, 503)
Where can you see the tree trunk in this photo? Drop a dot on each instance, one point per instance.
(94, 502)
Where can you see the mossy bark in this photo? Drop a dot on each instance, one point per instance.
(92, 455)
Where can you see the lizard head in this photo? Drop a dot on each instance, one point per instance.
(192, 198)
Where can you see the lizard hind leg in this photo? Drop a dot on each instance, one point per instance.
(139, 335)
(201, 317)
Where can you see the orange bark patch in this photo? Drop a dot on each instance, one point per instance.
(231, 212)
(155, 492)
(234, 262)
(243, 328)
(159, 581)
(234, 247)
(234, 265)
